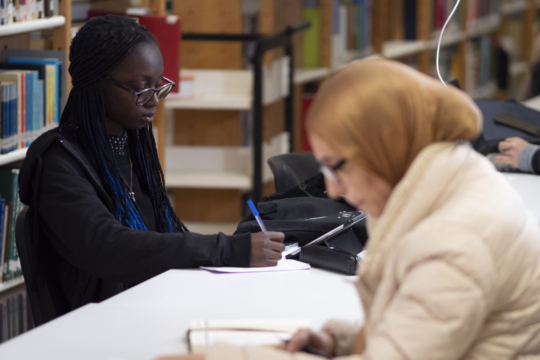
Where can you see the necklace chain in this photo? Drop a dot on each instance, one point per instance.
(118, 144)
(130, 186)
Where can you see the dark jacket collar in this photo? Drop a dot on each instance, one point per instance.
(30, 173)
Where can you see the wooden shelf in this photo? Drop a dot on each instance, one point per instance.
(358, 54)
(302, 76)
(32, 25)
(202, 102)
(514, 7)
(6, 285)
(401, 48)
(449, 39)
(237, 102)
(233, 89)
(207, 180)
(485, 25)
(13, 156)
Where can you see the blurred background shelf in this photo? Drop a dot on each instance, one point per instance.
(14, 156)
(11, 284)
(306, 75)
(399, 48)
(208, 180)
(32, 25)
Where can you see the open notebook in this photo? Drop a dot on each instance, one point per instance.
(253, 332)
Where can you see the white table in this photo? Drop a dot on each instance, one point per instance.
(151, 319)
(533, 103)
(528, 186)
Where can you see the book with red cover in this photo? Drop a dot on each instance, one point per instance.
(167, 30)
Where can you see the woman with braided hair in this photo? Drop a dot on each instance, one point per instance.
(99, 214)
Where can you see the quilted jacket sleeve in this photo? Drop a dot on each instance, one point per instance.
(440, 303)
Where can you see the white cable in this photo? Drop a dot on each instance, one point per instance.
(440, 40)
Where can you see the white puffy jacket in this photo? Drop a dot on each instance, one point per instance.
(452, 268)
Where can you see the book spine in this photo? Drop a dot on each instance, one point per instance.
(22, 125)
(3, 117)
(10, 12)
(42, 107)
(29, 110)
(16, 116)
(36, 109)
(311, 39)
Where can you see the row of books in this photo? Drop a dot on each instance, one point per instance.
(441, 12)
(478, 63)
(15, 316)
(30, 97)
(478, 9)
(351, 30)
(13, 11)
(10, 208)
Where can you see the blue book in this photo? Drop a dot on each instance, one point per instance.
(14, 118)
(29, 108)
(35, 105)
(9, 110)
(56, 63)
(41, 115)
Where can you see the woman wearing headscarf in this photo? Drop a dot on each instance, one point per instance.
(452, 269)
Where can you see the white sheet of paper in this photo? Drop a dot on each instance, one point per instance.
(282, 265)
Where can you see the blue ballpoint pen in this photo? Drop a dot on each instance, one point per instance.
(255, 213)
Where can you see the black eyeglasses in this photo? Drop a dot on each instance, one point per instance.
(330, 172)
(143, 96)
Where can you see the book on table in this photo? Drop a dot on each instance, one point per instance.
(242, 332)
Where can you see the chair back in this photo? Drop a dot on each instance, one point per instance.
(24, 257)
(46, 300)
(292, 169)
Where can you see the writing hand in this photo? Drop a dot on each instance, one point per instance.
(266, 248)
(306, 337)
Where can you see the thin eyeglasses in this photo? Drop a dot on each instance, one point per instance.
(143, 96)
(331, 172)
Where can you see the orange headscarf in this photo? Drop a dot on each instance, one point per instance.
(380, 114)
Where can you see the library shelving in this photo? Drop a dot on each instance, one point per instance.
(11, 284)
(211, 124)
(17, 35)
(32, 25)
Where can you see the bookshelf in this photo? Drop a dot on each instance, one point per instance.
(213, 125)
(217, 120)
(17, 36)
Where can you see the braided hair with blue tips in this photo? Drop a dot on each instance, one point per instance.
(99, 47)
